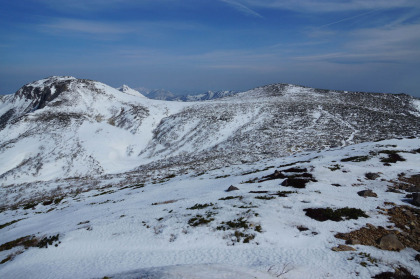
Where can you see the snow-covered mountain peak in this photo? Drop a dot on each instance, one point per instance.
(44, 88)
(126, 89)
(50, 80)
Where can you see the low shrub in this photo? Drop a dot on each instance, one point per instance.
(235, 224)
(200, 206)
(355, 159)
(9, 223)
(247, 237)
(199, 220)
(334, 167)
(265, 197)
(49, 241)
(392, 158)
(284, 194)
(230, 198)
(26, 241)
(324, 214)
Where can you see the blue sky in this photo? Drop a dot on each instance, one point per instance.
(198, 45)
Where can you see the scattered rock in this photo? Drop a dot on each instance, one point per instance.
(276, 175)
(232, 188)
(413, 189)
(417, 258)
(336, 185)
(399, 273)
(343, 248)
(296, 169)
(302, 228)
(258, 192)
(370, 226)
(298, 181)
(353, 241)
(394, 191)
(416, 199)
(371, 175)
(409, 184)
(295, 182)
(367, 193)
(406, 220)
(390, 242)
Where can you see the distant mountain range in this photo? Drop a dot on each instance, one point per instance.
(165, 95)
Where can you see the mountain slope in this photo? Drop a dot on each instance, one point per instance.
(209, 95)
(278, 120)
(130, 91)
(85, 128)
(63, 127)
(187, 226)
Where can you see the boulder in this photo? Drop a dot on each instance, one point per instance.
(367, 193)
(295, 182)
(371, 175)
(296, 170)
(390, 242)
(232, 188)
(416, 199)
(276, 175)
(413, 189)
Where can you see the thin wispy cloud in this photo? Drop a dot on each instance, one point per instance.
(349, 18)
(242, 8)
(396, 44)
(113, 30)
(331, 5)
(84, 5)
(85, 26)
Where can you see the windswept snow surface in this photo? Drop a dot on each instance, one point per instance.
(145, 231)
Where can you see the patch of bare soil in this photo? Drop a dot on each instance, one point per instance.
(409, 184)
(405, 218)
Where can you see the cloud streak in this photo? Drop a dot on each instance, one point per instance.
(109, 30)
(387, 44)
(331, 5)
(349, 18)
(242, 8)
(85, 26)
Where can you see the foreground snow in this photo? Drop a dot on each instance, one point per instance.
(144, 232)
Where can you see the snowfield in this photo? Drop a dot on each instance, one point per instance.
(148, 230)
